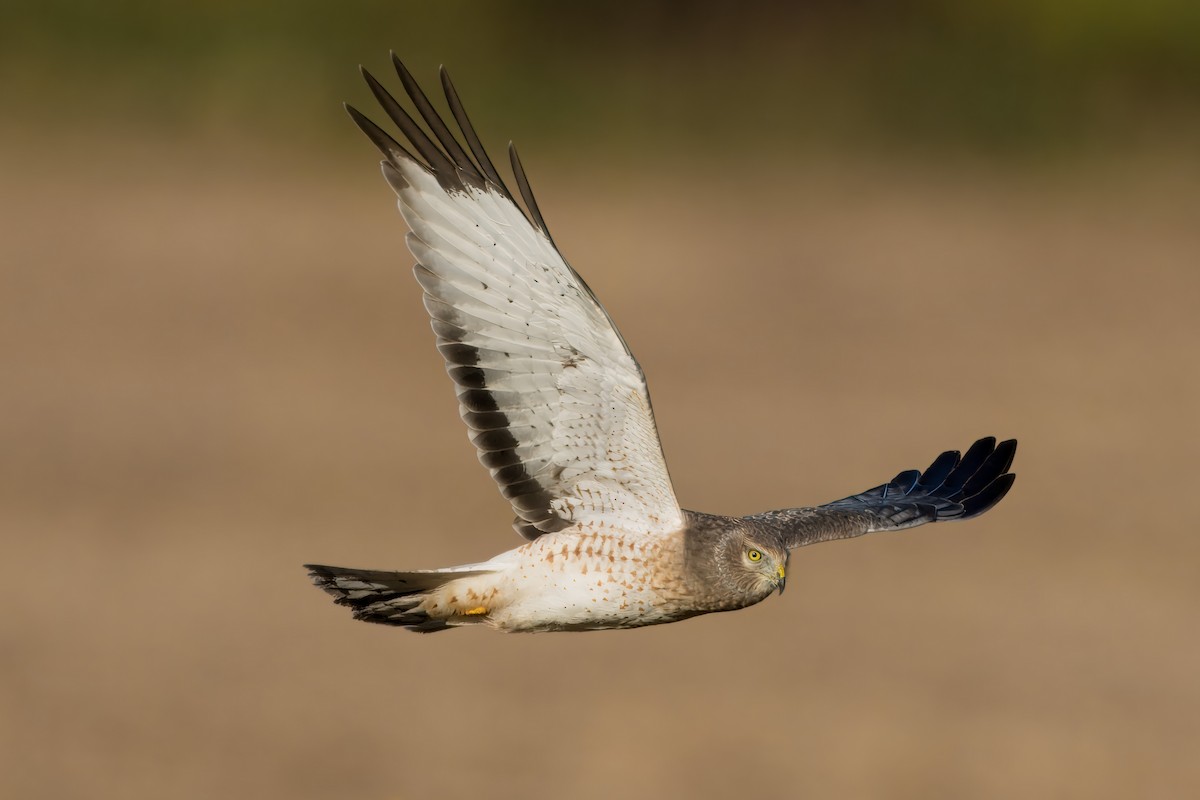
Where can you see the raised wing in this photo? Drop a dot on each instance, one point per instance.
(555, 402)
(952, 488)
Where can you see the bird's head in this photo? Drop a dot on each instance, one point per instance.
(732, 562)
(757, 566)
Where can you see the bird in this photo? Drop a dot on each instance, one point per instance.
(559, 412)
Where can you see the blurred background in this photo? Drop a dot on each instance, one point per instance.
(840, 238)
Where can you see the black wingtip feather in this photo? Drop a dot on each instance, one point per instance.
(903, 483)
(468, 131)
(959, 488)
(996, 464)
(390, 148)
(989, 496)
(967, 487)
(936, 473)
(453, 165)
(526, 191)
(438, 161)
(968, 465)
(435, 122)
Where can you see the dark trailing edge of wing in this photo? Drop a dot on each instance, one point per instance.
(445, 158)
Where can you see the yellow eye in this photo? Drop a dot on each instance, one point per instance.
(754, 555)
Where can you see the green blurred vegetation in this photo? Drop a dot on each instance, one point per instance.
(981, 75)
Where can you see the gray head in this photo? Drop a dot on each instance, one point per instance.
(735, 564)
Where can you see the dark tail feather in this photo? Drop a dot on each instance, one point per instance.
(386, 598)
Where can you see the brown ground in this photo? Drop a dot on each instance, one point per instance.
(216, 367)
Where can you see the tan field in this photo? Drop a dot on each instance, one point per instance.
(217, 368)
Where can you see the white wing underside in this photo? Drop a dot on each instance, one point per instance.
(556, 405)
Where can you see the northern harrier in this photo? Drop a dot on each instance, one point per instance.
(559, 412)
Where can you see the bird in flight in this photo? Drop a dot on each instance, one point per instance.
(559, 412)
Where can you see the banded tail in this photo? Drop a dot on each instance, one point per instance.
(387, 598)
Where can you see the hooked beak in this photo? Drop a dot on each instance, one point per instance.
(781, 581)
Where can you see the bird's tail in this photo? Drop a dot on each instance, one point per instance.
(387, 598)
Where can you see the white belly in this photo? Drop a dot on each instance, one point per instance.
(585, 581)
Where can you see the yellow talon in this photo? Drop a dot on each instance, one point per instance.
(474, 612)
